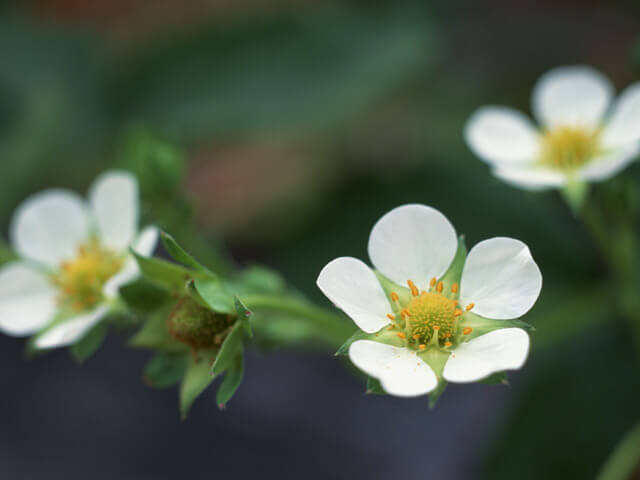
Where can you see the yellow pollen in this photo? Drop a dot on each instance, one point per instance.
(391, 317)
(433, 281)
(405, 313)
(401, 335)
(436, 327)
(80, 281)
(394, 296)
(457, 312)
(427, 315)
(440, 287)
(454, 288)
(414, 290)
(422, 346)
(569, 148)
(470, 306)
(467, 330)
(447, 344)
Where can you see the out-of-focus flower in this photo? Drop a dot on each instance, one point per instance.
(74, 256)
(452, 321)
(584, 136)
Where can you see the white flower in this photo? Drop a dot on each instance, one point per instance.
(73, 258)
(450, 321)
(583, 135)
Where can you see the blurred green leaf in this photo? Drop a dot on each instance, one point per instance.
(625, 459)
(143, 296)
(180, 255)
(274, 72)
(231, 381)
(165, 370)
(262, 280)
(165, 274)
(374, 387)
(498, 378)
(212, 291)
(243, 317)
(90, 343)
(196, 379)
(231, 347)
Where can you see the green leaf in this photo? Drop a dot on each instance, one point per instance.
(215, 295)
(231, 348)
(435, 395)
(243, 317)
(481, 325)
(389, 286)
(167, 275)
(196, 379)
(454, 273)
(164, 370)
(498, 378)
(180, 255)
(231, 381)
(436, 359)
(384, 335)
(374, 387)
(258, 279)
(90, 343)
(154, 334)
(143, 296)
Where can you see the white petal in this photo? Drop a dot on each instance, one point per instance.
(609, 165)
(114, 199)
(69, 331)
(146, 242)
(27, 300)
(575, 95)
(400, 371)
(497, 351)
(413, 242)
(49, 226)
(501, 135)
(623, 126)
(354, 288)
(531, 178)
(501, 278)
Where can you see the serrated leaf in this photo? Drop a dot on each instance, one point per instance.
(180, 255)
(374, 387)
(231, 381)
(454, 272)
(231, 347)
(196, 379)
(164, 370)
(215, 295)
(167, 275)
(90, 343)
(154, 334)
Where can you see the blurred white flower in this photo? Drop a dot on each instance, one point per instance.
(433, 328)
(583, 136)
(73, 258)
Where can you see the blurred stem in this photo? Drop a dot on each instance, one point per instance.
(624, 460)
(332, 328)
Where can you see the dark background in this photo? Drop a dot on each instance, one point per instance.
(302, 125)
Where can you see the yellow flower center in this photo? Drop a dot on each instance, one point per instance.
(80, 281)
(568, 148)
(428, 313)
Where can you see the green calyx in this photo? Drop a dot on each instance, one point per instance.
(197, 326)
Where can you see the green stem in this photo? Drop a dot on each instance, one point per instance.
(622, 463)
(329, 327)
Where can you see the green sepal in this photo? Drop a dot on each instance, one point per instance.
(232, 346)
(231, 381)
(143, 296)
(180, 255)
(481, 325)
(498, 378)
(215, 295)
(383, 335)
(89, 343)
(196, 379)
(167, 275)
(436, 359)
(374, 387)
(165, 370)
(454, 273)
(154, 334)
(404, 294)
(244, 314)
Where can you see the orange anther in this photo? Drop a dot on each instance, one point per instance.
(457, 312)
(440, 287)
(436, 327)
(467, 330)
(447, 344)
(470, 306)
(414, 290)
(433, 281)
(394, 296)
(423, 346)
(401, 335)
(454, 288)
(391, 317)
(416, 336)
(405, 313)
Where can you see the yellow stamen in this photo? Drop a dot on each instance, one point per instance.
(394, 296)
(457, 312)
(467, 330)
(447, 344)
(454, 288)
(470, 306)
(422, 346)
(436, 327)
(391, 317)
(432, 282)
(405, 313)
(440, 287)
(416, 337)
(414, 290)
(401, 335)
